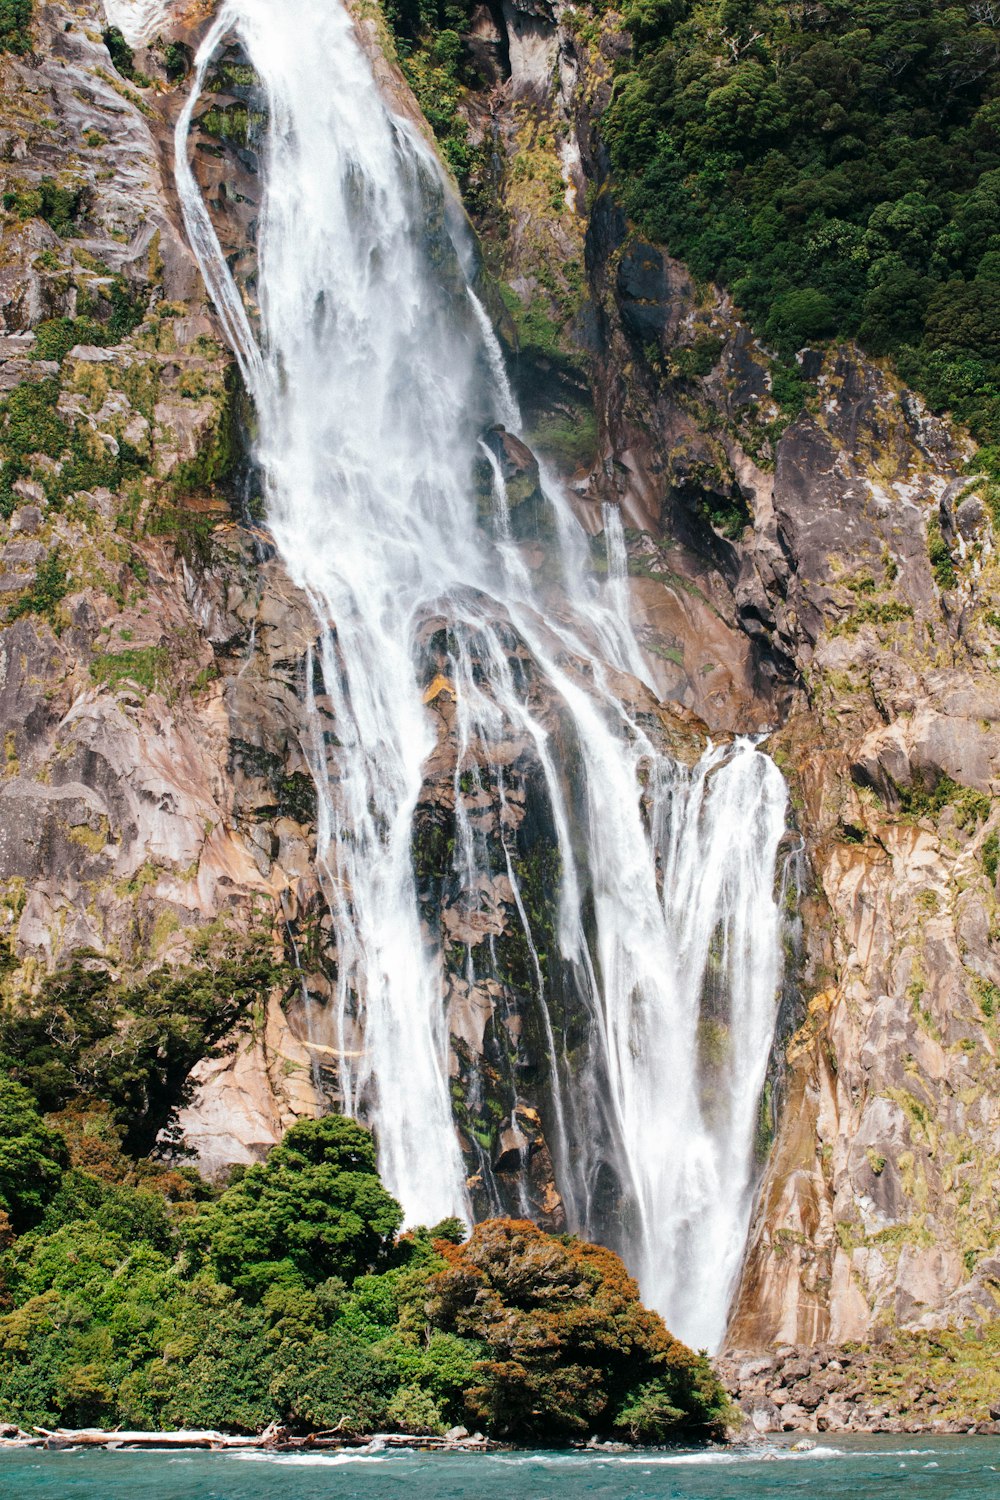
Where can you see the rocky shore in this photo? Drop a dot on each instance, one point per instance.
(878, 1388)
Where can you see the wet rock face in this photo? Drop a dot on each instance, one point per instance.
(827, 574)
(829, 570)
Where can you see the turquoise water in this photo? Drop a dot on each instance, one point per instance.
(861, 1469)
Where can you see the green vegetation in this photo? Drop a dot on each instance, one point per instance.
(923, 799)
(566, 1344)
(56, 337)
(145, 666)
(132, 1045)
(991, 855)
(177, 61)
(32, 430)
(942, 563)
(959, 1366)
(15, 25)
(315, 1209)
(123, 57)
(58, 205)
(837, 165)
(131, 1294)
(32, 1159)
(236, 123)
(46, 593)
(438, 66)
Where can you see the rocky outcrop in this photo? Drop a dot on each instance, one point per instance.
(138, 615)
(899, 1385)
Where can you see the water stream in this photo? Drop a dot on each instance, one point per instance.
(375, 377)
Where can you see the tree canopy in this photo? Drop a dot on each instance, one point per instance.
(32, 1157)
(131, 1295)
(315, 1209)
(567, 1344)
(836, 163)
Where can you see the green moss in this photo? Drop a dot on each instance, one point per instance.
(988, 996)
(229, 74)
(235, 123)
(927, 800)
(697, 359)
(878, 612)
(142, 666)
(190, 531)
(29, 422)
(217, 458)
(568, 436)
(56, 337)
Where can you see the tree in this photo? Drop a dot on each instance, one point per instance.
(33, 1157)
(133, 1045)
(568, 1346)
(315, 1209)
(15, 25)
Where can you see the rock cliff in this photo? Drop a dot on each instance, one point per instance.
(815, 563)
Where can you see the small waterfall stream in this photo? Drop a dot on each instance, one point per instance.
(375, 377)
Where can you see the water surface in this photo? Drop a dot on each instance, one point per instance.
(859, 1468)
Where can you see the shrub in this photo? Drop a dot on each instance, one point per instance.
(33, 1157)
(568, 1346)
(15, 25)
(85, 1035)
(315, 1209)
(46, 593)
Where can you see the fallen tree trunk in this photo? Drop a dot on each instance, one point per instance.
(274, 1439)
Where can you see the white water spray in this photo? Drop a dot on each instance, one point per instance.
(376, 376)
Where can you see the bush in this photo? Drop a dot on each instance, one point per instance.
(85, 1035)
(567, 1344)
(315, 1209)
(46, 593)
(340, 1383)
(33, 1157)
(15, 25)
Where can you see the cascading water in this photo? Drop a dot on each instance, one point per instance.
(375, 378)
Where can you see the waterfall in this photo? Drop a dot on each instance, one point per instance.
(375, 376)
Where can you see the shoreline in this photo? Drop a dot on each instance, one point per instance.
(271, 1440)
(67, 1440)
(863, 1390)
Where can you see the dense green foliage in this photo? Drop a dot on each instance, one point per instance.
(32, 429)
(567, 1344)
(15, 25)
(123, 57)
(315, 1209)
(132, 1045)
(32, 1157)
(130, 1294)
(837, 164)
(437, 65)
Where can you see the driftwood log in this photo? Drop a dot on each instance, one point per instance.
(273, 1438)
